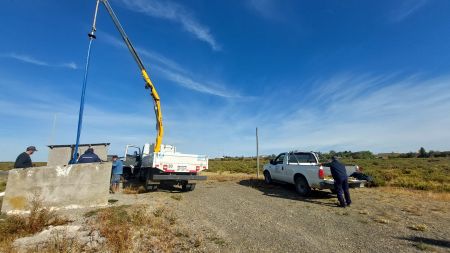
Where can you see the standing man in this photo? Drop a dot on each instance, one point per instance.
(24, 159)
(340, 177)
(89, 157)
(117, 171)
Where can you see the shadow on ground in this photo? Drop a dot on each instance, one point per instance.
(287, 191)
(138, 186)
(429, 241)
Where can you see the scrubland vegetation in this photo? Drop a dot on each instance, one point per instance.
(421, 171)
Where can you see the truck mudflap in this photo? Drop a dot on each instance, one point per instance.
(161, 177)
(352, 183)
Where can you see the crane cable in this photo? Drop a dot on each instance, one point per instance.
(91, 36)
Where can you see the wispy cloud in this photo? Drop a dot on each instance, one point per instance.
(176, 13)
(173, 71)
(187, 82)
(380, 113)
(406, 9)
(386, 113)
(265, 8)
(31, 60)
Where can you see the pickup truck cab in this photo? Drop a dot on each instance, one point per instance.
(304, 170)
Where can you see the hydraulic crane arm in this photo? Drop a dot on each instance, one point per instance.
(148, 82)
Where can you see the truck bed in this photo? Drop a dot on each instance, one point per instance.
(174, 162)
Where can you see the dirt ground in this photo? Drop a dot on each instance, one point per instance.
(239, 214)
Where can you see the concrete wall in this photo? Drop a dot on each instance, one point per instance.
(59, 187)
(61, 155)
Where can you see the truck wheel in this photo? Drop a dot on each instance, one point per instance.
(188, 187)
(302, 187)
(267, 177)
(151, 187)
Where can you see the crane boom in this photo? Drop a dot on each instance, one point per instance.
(148, 82)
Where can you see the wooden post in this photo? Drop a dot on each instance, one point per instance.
(257, 154)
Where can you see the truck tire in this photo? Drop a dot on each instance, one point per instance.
(151, 187)
(188, 187)
(302, 186)
(267, 177)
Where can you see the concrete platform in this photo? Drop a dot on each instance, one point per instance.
(58, 187)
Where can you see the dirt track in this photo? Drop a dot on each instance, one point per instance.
(240, 217)
(244, 215)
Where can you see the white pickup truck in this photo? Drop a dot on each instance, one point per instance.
(304, 171)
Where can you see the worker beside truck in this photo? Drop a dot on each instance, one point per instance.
(117, 171)
(340, 177)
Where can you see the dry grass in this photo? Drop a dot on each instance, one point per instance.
(381, 220)
(419, 227)
(16, 226)
(2, 185)
(10, 165)
(423, 247)
(59, 244)
(365, 212)
(133, 190)
(228, 176)
(138, 228)
(431, 174)
(429, 195)
(177, 197)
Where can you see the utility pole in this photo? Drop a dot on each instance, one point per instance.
(257, 154)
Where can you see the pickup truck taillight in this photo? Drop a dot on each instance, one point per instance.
(321, 172)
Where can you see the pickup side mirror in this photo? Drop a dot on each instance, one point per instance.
(272, 162)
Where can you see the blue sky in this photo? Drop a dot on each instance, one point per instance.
(312, 75)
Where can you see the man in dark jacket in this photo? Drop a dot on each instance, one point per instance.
(340, 177)
(24, 159)
(89, 157)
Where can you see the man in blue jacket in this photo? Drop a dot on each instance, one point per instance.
(89, 157)
(117, 171)
(340, 177)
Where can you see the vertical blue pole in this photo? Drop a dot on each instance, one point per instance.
(83, 95)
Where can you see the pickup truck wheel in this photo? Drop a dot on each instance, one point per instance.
(302, 187)
(188, 187)
(267, 177)
(151, 187)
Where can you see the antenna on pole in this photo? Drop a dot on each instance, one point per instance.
(52, 134)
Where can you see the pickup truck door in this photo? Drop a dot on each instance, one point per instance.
(300, 162)
(278, 167)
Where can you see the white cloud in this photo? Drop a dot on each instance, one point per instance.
(407, 8)
(174, 12)
(31, 60)
(187, 82)
(385, 113)
(173, 71)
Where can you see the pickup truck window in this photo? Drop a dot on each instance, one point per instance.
(279, 159)
(302, 158)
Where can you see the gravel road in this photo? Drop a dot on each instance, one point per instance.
(244, 216)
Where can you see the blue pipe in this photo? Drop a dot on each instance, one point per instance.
(83, 95)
